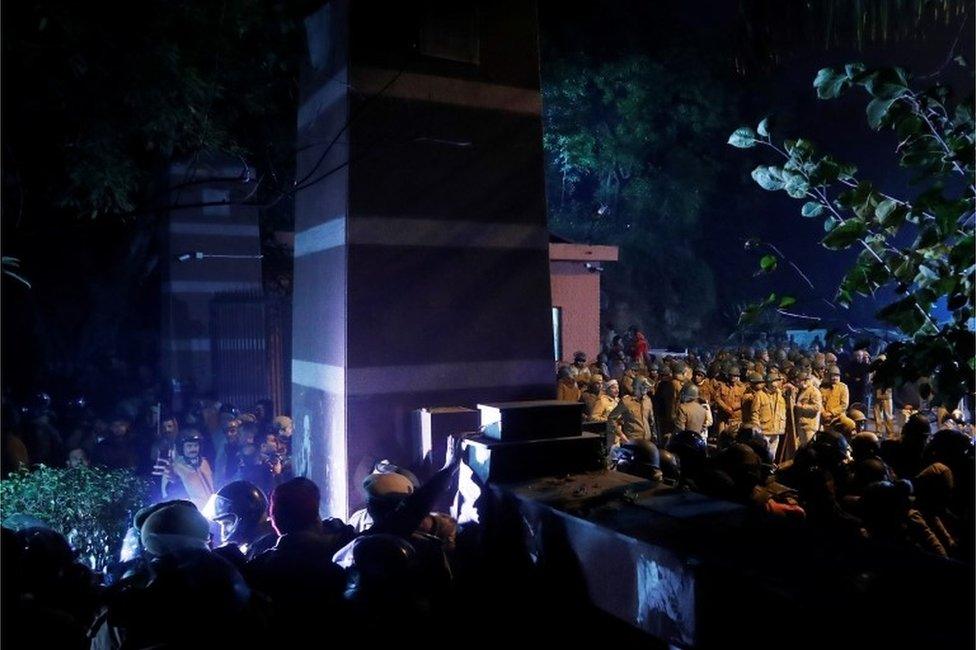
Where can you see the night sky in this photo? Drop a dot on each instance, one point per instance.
(785, 92)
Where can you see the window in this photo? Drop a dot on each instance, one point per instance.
(557, 332)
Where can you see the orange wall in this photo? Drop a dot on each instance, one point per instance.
(577, 291)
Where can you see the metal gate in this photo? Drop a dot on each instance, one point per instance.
(249, 340)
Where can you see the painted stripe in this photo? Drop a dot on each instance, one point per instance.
(331, 379)
(221, 229)
(330, 234)
(196, 286)
(420, 378)
(448, 90)
(331, 92)
(189, 345)
(444, 233)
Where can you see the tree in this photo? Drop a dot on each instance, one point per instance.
(99, 99)
(102, 96)
(629, 163)
(938, 266)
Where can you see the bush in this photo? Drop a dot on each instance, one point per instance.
(92, 507)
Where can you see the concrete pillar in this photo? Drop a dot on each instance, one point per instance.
(421, 264)
(209, 223)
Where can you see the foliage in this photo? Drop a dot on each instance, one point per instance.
(768, 31)
(625, 139)
(939, 264)
(105, 94)
(91, 507)
(100, 97)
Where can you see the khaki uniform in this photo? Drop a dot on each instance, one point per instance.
(706, 390)
(634, 418)
(602, 407)
(768, 413)
(884, 412)
(692, 416)
(589, 402)
(627, 382)
(809, 404)
(836, 400)
(748, 400)
(567, 390)
(728, 398)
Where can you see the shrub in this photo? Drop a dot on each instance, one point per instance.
(91, 507)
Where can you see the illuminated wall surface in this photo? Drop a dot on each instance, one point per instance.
(421, 266)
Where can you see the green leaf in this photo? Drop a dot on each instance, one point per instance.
(768, 263)
(796, 185)
(743, 138)
(925, 276)
(890, 214)
(843, 298)
(964, 115)
(845, 234)
(961, 60)
(786, 301)
(929, 236)
(963, 253)
(800, 149)
(768, 178)
(854, 70)
(906, 270)
(877, 111)
(846, 172)
(763, 128)
(904, 314)
(811, 209)
(829, 83)
(886, 83)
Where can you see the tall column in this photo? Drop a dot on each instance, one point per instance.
(421, 249)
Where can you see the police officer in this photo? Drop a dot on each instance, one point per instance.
(607, 402)
(836, 397)
(241, 511)
(809, 405)
(579, 369)
(692, 413)
(633, 417)
(768, 412)
(567, 390)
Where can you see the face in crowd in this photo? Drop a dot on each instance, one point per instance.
(77, 458)
(119, 428)
(191, 449)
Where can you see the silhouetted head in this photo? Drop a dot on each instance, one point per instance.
(295, 506)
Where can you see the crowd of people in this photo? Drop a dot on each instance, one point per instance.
(188, 455)
(233, 549)
(798, 432)
(249, 563)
